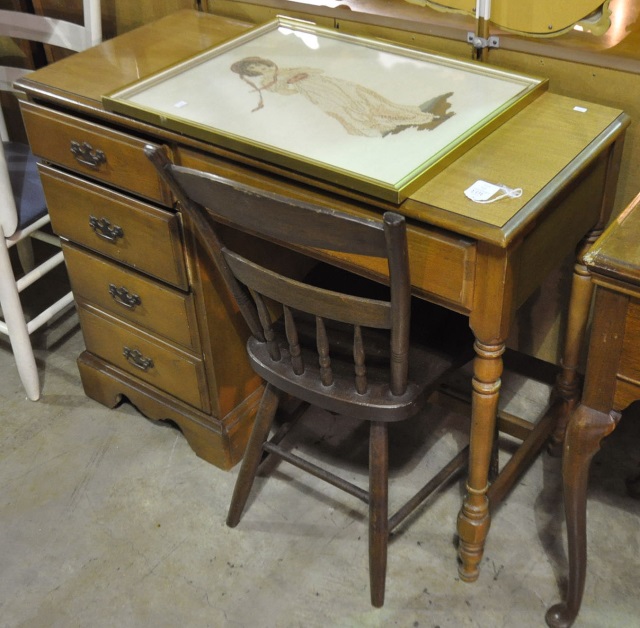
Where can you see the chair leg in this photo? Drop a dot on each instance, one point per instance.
(253, 454)
(25, 254)
(378, 510)
(16, 325)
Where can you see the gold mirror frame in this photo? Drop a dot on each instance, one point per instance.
(537, 18)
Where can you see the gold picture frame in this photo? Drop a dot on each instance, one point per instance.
(362, 114)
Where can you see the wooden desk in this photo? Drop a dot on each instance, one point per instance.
(180, 355)
(612, 383)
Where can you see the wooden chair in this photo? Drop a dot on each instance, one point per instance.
(350, 355)
(23, 212)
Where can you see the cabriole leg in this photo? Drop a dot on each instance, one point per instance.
(586, 430)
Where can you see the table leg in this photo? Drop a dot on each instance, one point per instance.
(474, 517)
(568, 383)
(585, 432)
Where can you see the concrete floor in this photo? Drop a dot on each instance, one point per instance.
(108, 519)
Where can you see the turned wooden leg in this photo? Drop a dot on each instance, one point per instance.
(474, 518)
(585, 432)
(568, 383)
(378, 510)
(253, 454)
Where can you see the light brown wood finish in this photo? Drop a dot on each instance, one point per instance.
(442, 262)
(612, 383)
(94, 151)
(141, 355)
(215, 403)
(220, 442)
(604, 69)
(494, 263)
(145, 237)
(145, 303)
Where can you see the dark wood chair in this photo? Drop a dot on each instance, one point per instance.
(349, 354)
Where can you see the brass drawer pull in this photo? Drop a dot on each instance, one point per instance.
(137, 359)
(86, 155)
(104, 229)
(125, 298)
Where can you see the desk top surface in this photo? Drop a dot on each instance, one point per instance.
(531, 151)
(617, 252)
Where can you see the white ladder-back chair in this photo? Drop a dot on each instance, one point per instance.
(23, 211)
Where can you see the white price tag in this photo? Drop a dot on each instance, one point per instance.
(481, 191)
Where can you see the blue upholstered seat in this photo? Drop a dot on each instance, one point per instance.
(25, 182)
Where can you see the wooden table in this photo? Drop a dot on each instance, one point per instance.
(612, 383)
(481, 260)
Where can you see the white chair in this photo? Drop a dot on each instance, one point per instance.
(23, 211)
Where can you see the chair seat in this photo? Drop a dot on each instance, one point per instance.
(25, 181)
(427, 366)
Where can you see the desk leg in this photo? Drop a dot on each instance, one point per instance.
(585, 432)
(474, 517)
(568, 384)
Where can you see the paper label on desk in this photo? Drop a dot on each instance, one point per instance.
(481, 191)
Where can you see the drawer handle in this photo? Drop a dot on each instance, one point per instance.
(137, 359)
(104, 229)
(125, 298)
(86, 155)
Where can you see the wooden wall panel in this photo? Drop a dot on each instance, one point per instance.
(118, 16)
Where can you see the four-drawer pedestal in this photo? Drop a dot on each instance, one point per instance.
(157, 329)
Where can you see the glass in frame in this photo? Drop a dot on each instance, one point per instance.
(363, 114)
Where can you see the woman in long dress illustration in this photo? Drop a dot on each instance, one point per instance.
(361, 111)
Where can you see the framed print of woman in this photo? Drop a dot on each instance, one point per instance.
(360, 110)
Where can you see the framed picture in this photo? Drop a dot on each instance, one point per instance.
(363, 114)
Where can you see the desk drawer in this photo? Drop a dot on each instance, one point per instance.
(442, 264)
(137, 234)
(162, 365)
(630, 359)
(93, 150)
(140, 301)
